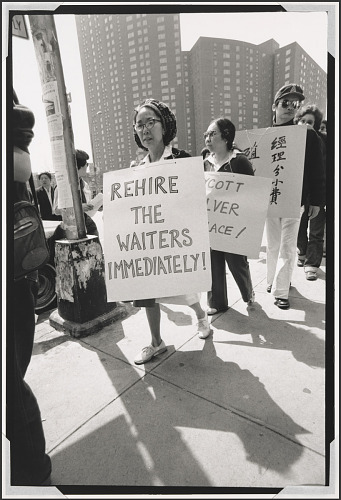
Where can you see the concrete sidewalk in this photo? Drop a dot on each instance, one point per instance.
(243, 408)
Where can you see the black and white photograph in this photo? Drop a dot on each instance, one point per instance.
(171, 288)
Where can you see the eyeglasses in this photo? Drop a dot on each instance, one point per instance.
(149, 125)
(210, 134)
(286, 103)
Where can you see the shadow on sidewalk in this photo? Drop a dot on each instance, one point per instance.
(269, 333)
(144, 445)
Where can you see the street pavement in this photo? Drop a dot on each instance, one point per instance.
(244, 408)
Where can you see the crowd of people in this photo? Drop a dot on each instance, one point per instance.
(289, 240)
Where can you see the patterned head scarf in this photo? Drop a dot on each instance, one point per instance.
(168, 120)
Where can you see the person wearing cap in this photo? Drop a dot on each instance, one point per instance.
(154, 129)
(282, 232)
(30, 464)
(311, 232)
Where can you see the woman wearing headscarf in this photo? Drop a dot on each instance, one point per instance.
(154, 129)
(225, 157)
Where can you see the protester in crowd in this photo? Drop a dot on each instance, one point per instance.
(30, 465)
(323, 135)
(311, 233)
(323, 127)
(282, 232)
(225, 157)
(90, 225)
(45, 195)
(154, 129)
(205, 152)
(82, 165)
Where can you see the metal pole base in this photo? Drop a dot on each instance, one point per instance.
(79, 330)
(80, 287)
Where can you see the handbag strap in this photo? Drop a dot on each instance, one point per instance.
(33, 190)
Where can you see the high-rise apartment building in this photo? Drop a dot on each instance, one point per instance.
(293, 64)
(229, 78)
(127, 58)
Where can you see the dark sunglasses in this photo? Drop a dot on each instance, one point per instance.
(286, 103)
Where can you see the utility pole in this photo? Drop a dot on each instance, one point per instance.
(80, 285)
(92, 145)
(59, 124)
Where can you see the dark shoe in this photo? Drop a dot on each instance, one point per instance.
(300, 263)
(269, 289)
(282, 303)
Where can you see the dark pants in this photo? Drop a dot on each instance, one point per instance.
(310, 239)
(30, 465)
(239, 267)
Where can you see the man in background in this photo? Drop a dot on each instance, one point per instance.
(45, 195)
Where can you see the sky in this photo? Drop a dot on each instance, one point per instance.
(308, 29)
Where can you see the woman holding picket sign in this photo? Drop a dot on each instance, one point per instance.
(225, 157)
(154, 129)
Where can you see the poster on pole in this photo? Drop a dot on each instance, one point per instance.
(55, 127)
(156, 241)
(237, 206)
(278, 152)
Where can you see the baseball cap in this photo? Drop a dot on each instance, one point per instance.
(292, 89)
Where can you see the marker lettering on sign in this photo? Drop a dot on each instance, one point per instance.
(141, 187)
(159, 239)
(146, 266)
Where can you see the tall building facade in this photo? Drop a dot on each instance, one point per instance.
(293, 64)
(127, 58)
(229, 78)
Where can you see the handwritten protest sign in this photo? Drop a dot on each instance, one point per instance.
(156, 242)
(278, 152)
(237, 206)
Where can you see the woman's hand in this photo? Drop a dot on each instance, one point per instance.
(87, 207)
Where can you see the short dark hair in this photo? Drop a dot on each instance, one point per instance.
(310, 109)
(227, 130)
(325, 123)
(204, 152)
(81, 158)
(45, 173)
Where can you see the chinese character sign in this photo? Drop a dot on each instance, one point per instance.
(278, 152)
(237, 206)
(156, 242)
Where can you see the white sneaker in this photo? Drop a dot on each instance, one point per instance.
(149, 352)
(203, 327)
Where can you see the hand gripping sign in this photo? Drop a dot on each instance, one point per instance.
(278, 152)
(237, 206)
(156, 242)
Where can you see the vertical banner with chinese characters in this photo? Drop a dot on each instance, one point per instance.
(278, 152)
(237, 206)
(156, 241)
